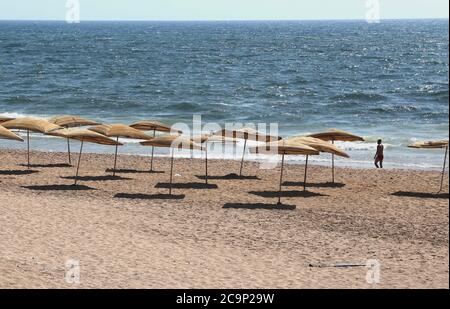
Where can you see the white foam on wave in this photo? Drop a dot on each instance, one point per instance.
(13, 115)
(19, 115)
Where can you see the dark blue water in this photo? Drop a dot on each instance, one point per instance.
(387, 80)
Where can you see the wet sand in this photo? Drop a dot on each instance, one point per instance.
(127, 233)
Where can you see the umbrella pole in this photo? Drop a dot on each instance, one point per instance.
(281, 179)
(306, 170)
(443, 169)
(115, 159)
(28, 147)
(153, 151)
(332, 164)
(68, 151)
(171, 173)
(206, 162)
(242, 161)
(78, 164)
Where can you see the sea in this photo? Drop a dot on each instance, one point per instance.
(387, 80)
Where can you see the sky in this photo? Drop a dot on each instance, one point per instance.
(221, 9)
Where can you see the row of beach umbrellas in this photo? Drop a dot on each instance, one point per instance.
(70, 127)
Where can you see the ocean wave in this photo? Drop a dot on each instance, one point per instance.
(360, 96)
(394, 108)
(190, 107)
(14, 45)
(13, 115)
(358, 146)
(18, 99)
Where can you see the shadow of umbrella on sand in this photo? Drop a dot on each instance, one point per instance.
(319, 145)
(284, 148)
(119, 130)
(333, 135)
(434, 145)
(70, 121)
(153, 125)
(172, 141)
(84, 135)
(30, 124)
(246, 134)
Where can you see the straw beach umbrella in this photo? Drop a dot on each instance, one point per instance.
(319, 145)
(284, 147)
(153, 125)
(84, 135)
(434, 145)
(70, 121)
(246, 134)
(119, 130)
(6, 134)
(4, 118)
(30, 125)
(172, 141)
(337, 135)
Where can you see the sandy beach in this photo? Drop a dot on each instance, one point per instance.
(125, 237)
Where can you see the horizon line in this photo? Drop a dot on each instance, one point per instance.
(225, 20)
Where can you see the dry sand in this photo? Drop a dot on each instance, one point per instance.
(194, 242)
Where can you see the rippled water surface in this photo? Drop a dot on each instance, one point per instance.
(387, 80)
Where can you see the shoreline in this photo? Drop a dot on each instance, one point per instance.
(289, 160)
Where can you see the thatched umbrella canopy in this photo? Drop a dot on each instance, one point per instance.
(246, 134)
(30, 125)
(172, 141)
(6, 134)
(119, 130)
(71, 121)
(318, 144)
(4, 118)
(153, 125)
(434, 145)
(337, 135)
(84, 135)
(430, 145)
(37, 125)
(284, 147)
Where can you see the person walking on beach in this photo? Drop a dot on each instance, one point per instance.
(379, 156)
